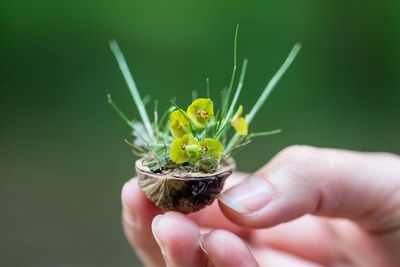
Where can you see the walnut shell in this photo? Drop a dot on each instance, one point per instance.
(182, 191)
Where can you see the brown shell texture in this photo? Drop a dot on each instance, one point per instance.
(183, 191)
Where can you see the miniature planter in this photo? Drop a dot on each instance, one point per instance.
(182, 191)
(185, 160)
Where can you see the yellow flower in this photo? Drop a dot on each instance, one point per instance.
(178, 124)
(201, 111)
(185, 149)
(239, 123)
(212, 147)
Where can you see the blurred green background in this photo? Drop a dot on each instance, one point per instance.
(62, 156)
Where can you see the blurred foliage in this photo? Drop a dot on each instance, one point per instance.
(62, 156)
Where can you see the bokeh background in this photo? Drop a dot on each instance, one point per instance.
(62, 156)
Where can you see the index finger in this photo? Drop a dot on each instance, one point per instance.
(363, 187)
(137, 215)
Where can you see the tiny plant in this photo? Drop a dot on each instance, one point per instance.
(201, 136)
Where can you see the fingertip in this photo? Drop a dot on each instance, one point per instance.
(172, 228)
(178, 235)
(137, 215)
(233, 215)
(137, 209)
(226, 249)
(246, 207)
(128, 191)
(279, 210)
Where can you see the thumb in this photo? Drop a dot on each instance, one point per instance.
(363, 187)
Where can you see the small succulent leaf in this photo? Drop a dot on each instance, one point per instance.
(240, 125)
(212, 147)
(178, 124)
(201, 111)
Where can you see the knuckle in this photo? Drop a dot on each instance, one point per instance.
(298, 161)
(388, 156)
(300, 154)
(219, 236)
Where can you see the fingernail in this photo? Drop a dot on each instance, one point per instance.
(128, 212)
(154, 228)
(129, 217)
(201, 242)
(249, 196)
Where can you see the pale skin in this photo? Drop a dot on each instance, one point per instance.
(307, 207)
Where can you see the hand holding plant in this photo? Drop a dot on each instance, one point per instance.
(185, 160)
(307, 207)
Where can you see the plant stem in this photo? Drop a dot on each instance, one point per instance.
(273, 82)
(208, 87)
(264, 133)
(267, 90)
(157, 129)
(194, 95)
(234, 60)
(228, 94)
(132, 87)
(239, 87)
(164, 116)
(228, 116)
(119, 112)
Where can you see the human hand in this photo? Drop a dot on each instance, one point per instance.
(340, 208)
